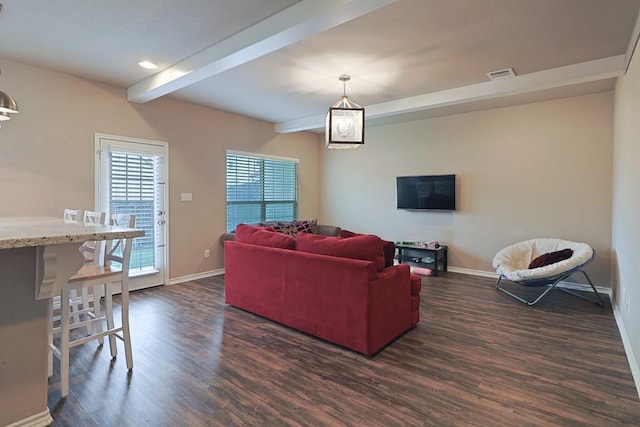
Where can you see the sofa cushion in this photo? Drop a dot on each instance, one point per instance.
(365, 247)
(345, 234)
(262, 236)
(388, 248)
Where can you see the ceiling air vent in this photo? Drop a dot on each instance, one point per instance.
(507, 73)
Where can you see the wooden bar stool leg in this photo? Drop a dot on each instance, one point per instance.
(75, 305)
(84, 303)
(126, 336)
(97, 309)
(50, 355)
(64, 342)
(108, 298)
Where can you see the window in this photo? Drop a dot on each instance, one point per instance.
(260, 188)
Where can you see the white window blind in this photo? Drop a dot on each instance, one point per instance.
(260, 189)
(132, 190)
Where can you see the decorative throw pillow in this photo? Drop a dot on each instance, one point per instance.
(288, 229)
(292, 228)
(388, 248)
(365, 247)
(551, 258)
(255, 235)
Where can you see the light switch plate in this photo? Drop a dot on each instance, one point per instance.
(186, 197)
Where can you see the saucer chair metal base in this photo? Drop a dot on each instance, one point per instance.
(550, 285)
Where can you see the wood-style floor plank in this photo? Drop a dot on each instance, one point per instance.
(477, 358)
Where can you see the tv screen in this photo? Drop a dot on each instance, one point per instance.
(430, 192)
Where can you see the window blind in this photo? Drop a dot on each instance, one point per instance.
(260, 189)
(132, 190)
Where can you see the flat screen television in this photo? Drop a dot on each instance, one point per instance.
(428, 192)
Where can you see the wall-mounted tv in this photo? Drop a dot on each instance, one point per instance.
(429, 192)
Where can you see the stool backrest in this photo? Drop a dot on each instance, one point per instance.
(94, 217)
(119, 250)
(71, 215)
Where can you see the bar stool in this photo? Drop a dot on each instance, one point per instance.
(113, 270)
(80, 304)
(92, 252)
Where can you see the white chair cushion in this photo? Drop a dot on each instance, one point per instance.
(513, 261)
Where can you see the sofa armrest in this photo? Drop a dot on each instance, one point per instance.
(390, 306)
(327, 230)
(227, 236)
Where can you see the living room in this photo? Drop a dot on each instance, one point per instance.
(560, 167)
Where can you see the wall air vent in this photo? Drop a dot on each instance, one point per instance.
(507, 73)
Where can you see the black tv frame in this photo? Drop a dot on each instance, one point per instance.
(429, 192)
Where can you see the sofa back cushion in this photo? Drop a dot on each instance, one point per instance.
(255, 235)
(388, 248)
(365, 247)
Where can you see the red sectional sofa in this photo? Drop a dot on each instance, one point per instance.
(337, 289)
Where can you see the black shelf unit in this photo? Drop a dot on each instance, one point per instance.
(420, 256)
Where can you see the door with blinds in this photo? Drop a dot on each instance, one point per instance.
(131, 177)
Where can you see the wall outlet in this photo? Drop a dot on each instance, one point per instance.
(207, 253)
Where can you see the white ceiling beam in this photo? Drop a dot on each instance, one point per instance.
(633, 42)
(298, 22)
(584, 72)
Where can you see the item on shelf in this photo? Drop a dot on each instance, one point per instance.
(432, 245)
(422, 271)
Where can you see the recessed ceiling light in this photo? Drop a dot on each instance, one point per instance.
(148, 65)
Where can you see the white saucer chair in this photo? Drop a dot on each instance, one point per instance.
(512, 264)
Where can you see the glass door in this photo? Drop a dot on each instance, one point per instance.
(131, 178)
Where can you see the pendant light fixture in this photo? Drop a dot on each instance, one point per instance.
(8, 105)
(345, 122)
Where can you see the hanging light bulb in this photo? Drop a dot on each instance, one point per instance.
(345, 122)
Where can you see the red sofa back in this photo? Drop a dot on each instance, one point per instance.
(342, 300)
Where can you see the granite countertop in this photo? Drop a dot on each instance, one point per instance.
(27, 231)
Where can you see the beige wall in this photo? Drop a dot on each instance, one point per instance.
(626, 212)
(47, 161)
(535, 170)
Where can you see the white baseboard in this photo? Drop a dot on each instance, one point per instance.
(197, 276)
(38, 420)
(470, 272)
(631, 358)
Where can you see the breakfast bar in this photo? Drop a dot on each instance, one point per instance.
(37, 257)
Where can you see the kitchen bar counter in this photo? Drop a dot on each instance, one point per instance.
(20, 232)
(37, 257)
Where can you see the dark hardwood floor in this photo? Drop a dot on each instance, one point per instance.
(477, 358)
